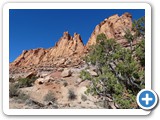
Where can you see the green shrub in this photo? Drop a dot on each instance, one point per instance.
(85, 75)
(101, 37)
(26, 82)
(71, 95)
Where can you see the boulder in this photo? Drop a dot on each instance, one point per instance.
(39, 81)
(31, 74)
(66, 73)
(41, 74)
(47, 79)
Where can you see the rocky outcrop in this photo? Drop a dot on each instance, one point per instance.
(67, 47)
(113, 27)
(66, 73)
(29, 57)
(70, 49)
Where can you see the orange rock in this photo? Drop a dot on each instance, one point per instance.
(113, 27)
(69, 50)
(67, 46)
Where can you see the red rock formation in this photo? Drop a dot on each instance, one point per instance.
(29, 57)
(113, 27)
(69, 50)
(67, 46)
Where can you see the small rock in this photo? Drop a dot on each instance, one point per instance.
(93, 73)
(42, 75)
(66, 73)
(79, 80)
(92, 68)
(43, 80)
(39, 81)
(60, 69)
(112, 105)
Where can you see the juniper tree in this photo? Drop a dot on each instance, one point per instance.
(120, 70)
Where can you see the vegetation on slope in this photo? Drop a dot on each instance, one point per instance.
(120, 69)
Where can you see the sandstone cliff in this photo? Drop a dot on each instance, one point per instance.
(113, 27)
(69, 50)
(66, 47)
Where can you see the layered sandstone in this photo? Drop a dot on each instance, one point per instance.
(67, 46)
(113, 27)
(69, 49)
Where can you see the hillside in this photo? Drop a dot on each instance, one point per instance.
(52, 78)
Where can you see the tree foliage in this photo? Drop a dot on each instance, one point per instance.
(138, 26)
(120, 70)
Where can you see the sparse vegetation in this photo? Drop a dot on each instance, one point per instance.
(85, 75)
(13, 90)
(49, 97)
(15, 93)
(83, 97)
(11, 80)
(23, 97)
(26, 82)
(71, 95)
(65, 83)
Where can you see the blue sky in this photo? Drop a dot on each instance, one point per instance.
(29, 29)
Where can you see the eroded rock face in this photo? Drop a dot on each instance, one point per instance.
(67, 47)
(68, 51)
(113, 27)
(29, 57)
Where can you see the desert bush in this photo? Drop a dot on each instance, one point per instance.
(26, 82)
(85, 75)
(71, 95)
(11, 80)
(49, 97)
(83, 97)
(65, 83)
(16, 93)
(22, 96)
(13, 90)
